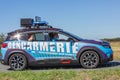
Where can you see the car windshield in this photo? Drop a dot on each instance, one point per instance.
(74, 36)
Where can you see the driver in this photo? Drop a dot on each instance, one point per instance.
(54, 36)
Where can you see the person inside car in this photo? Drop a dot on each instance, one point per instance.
(30, 37)
(53, 36)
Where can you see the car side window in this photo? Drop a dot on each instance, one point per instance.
(55, 36)
(36, 36)
(16, 37)
(63, 37)
(39, 36)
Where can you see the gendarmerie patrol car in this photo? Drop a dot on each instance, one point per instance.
(38, 43)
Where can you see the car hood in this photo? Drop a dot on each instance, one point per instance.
(100, 42)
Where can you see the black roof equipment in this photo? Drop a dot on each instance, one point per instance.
(29, 22)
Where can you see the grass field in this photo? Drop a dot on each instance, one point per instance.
(107, 74)
(58, 74)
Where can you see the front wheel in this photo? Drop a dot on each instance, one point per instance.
(89, 59)
(17, 61)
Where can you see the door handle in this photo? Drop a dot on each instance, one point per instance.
(52, 45)
(26, 45)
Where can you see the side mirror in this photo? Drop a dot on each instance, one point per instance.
(70, 39)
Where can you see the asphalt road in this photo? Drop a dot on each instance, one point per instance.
(109, 65)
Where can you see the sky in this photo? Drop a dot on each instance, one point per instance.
(89, 19)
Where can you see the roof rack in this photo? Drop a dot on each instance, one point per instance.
(31, 23)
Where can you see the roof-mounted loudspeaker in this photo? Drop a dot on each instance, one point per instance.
(26, 22)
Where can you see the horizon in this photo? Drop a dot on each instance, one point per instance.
(87, 19)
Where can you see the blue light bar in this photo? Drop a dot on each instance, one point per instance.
(41, 23)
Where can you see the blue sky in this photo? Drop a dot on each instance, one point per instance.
(87, 18)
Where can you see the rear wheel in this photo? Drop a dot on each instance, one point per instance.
(17, 61)
(89, 59)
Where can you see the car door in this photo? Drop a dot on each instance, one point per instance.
(33, 45)
(62, 48)
(43, 48)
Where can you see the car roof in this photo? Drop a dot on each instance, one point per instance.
(33, 29)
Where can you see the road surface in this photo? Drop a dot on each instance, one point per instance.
(110, 65)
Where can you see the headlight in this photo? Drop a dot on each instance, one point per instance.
(107, 46)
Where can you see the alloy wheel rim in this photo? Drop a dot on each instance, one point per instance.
(17, 62)
(90, 59)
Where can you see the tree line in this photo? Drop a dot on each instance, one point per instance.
(111, 39)
(2, 38)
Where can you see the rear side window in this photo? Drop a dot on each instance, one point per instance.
(36, 36)
(39, 37)
(27, 37)
(16, 37)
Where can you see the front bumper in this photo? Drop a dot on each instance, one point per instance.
(107, 59)
(111, 57)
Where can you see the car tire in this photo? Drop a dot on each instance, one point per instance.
(17, 61)
(89, 59)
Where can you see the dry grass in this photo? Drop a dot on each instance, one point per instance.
(116, 49)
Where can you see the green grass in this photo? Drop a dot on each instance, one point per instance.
(103, 74)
